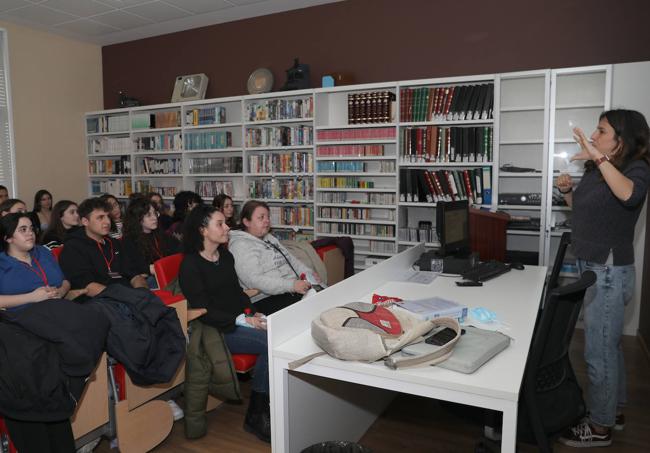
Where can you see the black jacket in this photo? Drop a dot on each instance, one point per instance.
(163, 243)
(52, 347)
(144, 335)
(82, 261)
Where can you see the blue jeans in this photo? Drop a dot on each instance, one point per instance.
(245, 340)
(604, 312)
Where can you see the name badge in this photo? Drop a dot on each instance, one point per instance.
(114, 275)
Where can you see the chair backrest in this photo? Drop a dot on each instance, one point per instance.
(167, 268)
(56, 251)
(551, 391)
(565, 241)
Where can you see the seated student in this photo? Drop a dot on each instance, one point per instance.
(224, 204)
(208, 280)
(164, 219)
(115, 215)
(143, 243)
(184, 202)
(43, 207)
(65, 217)
(13, 205)
(29, 274)
(263, 263)
(93, 260)
(4, 193)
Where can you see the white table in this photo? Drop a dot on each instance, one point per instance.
(330, 399)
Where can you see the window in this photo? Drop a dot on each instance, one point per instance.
(7, 170)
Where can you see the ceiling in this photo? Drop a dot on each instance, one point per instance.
(112, 21)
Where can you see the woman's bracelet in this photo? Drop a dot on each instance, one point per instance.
(564, 192)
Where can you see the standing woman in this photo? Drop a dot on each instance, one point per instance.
(208, 280)
(143, 243)
(43, 208)
(224, 204)
(606, 205)
(64, 219)
(115, 214)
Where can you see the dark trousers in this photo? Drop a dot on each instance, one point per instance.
(41, 437)
(277, 302)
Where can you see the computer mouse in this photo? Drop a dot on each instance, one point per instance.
(518, 266)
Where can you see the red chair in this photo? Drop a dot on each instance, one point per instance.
(5, 441)
(166, 270)
(57, 252)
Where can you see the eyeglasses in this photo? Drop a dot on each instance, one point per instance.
(25, 229)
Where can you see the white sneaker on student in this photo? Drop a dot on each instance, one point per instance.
(176, 410)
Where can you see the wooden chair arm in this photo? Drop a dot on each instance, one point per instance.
(193, 313)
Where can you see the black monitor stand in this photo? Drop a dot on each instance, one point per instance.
(459, 262)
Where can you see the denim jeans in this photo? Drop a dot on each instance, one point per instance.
(604, 311)
(245, 340)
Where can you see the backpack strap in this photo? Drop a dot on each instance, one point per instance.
(300, 362)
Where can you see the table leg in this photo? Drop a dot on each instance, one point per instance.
(509, 428)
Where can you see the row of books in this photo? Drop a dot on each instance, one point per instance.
(291, 216)
(446, 144)
(116, 187)
(161, 142)
(146, 186)
(285, 188)
(205, 115)
(155, 120)
(375, 133)
(371, 107)
(110, 145)
(280, 109)
(344, 182)
(121, 166)
(357, 198)
(377, 247)
(359, 229)
(210, 189)
(208, 140)
(297, 162)
(289, 235)
(215, 165)
(357, 213)
(420, 234)
(155, 166)
(423, 186)
(347, 166)
(449, 103)
(350, 151)
(104, 123)
(297, 135)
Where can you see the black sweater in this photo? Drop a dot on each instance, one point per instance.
(138, 261)
(82, 261)
(214, 286)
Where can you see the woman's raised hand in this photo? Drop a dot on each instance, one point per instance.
(587, 150)
(564, 183)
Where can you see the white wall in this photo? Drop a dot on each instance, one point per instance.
(631, 90)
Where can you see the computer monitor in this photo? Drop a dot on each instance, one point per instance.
(452, 226)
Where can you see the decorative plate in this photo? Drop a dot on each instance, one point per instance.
(260, 81)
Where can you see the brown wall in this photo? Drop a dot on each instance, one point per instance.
(384, 40)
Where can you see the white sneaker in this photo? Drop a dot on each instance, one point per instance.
(177, 412)
(90, 446)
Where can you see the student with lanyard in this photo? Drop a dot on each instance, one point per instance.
(29, 274)
(263, 263)
(93, 260)
(143, 243)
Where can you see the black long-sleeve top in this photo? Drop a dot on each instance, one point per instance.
(161, 245)
(214, 286)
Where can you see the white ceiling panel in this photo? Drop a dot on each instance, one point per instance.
(158, 12)
(83, 8)
(40, 15)
(122, 20)
(201, 6)
(86, 27)
(106, 22)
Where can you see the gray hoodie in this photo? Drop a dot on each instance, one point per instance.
(260, 264)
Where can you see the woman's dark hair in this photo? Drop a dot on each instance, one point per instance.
(37, 199)
(56, 227)
(219, 202)
(632, 133)
(8, 225)
(196, 219)
(133, 228)
(247, 211)
(6, 205)
(182, 201)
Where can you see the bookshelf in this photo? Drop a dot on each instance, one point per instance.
(342, 160)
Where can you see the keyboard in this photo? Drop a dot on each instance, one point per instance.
(485, 271)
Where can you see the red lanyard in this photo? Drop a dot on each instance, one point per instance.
(101, 250)
(40, 272)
